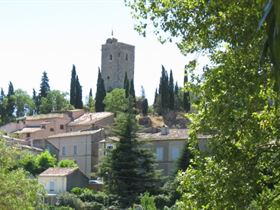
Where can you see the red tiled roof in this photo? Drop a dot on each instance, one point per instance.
(58, 171)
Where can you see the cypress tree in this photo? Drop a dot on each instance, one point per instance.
(126, 85)
(171, 91)
(176, 89)
(129, 170)
(90, 101)
(36, 101)
(100, 94)
(10, 103)
(163, 91)
(132, 90)
(2, 107)
(186, 98)
(79, 94)
(145, 107)
(44, 86)
(73, 88)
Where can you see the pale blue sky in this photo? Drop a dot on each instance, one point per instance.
(51, 35)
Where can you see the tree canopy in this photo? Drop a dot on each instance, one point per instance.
(236, 99)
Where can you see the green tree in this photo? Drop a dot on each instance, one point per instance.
(79, 94)
(91, 102)
(186, 99)
(10, 108)
(148, 202)
(54, 102)
(126, 85)
(171, 91)
(44, 161)
(145, 106)
(44, 86)
(115, 101)
(130, 168)
(132, 90)
(23, 103)
(236, 99)
(73, 88)
(67, 164)
(100, 94)
(36, 101)
(16, 188)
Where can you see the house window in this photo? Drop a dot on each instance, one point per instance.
(109, 146)
(52, 129)
(126, 57)
(43, 126)
(111, 57)
(75, 150)
(175, 153)
(159, 153)
(51, 186)
(61, 127)
(63, 150)
(28, 135)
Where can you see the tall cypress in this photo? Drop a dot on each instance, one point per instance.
(176, 89)
(164, 91)
(132, 90)
(10, 103)
(79, 94)
(100, 94)
(126, 85)
(73, 88)
(36, 101)
(90, 101)
(186, 98)
(171, 91)
(44, 86)
(2, 107)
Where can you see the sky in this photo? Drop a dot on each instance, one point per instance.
(52, 35)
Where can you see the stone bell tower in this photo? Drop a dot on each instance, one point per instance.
(117, 58)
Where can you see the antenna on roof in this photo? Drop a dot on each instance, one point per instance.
(112, 33)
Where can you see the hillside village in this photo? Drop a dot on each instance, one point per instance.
(85, 136)
(211, 144)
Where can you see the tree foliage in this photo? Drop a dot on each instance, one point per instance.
(23, 103)
(67, 164)
(44, 86)
(236, 99)
(76, 95)
(16, 188)
(54, 102)
(100, 94)
(115, 101)
(129, 169)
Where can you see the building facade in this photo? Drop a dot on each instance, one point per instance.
(58, 180)
(80, 146)
(116, 60)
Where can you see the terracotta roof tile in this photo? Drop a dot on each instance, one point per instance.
(58, 171)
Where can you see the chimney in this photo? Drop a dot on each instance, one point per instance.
(164, 130)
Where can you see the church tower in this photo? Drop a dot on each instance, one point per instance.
(117, 58)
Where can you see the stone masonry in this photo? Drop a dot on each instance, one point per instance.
(117, 58)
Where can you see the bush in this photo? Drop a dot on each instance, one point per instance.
(162, 200)
(93, 206)
(148, 202)
(71, 200)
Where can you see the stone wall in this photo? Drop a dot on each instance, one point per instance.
(117, 58)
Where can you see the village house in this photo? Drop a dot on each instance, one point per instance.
(59, 180)
(166, 144)
(80, 146)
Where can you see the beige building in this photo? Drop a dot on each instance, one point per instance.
(167, 145)
(91, 120)
(80, 146)
(58, 180)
